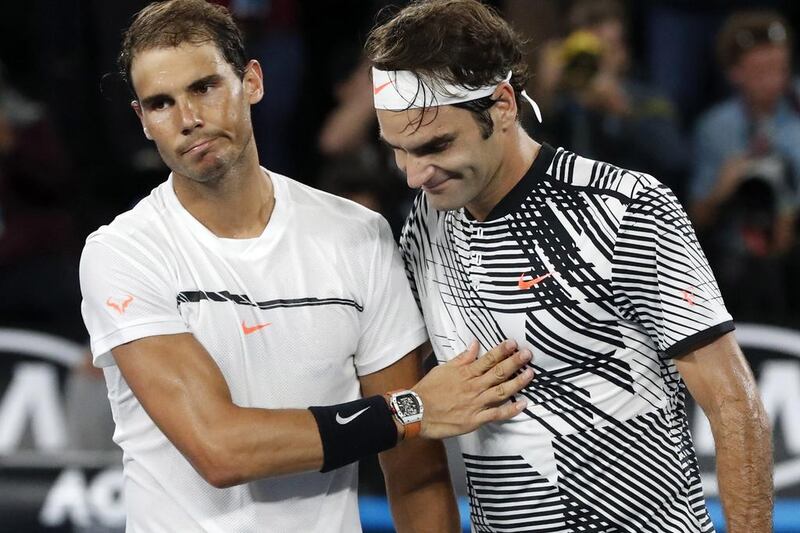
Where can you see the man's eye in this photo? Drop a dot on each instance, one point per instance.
(203, 89)
(436, 148)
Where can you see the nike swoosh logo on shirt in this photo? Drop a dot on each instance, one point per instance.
(247, 330)
(524, 284)
(346, 420)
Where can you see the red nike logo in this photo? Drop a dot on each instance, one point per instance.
(525, 285)
(380, 87)
(688, 295)
(252, 329)
(119, 307)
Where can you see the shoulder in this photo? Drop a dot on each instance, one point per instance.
(140, 223)
(601, 178)
(143, 235)
(332, 217)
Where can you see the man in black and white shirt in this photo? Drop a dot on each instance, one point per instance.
(595, 268)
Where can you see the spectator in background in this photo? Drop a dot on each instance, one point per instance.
(743, 191)
(594, 106)
(37, 240)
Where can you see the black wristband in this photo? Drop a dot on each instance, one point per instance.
(354, 430)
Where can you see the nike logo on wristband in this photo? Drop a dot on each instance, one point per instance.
(346, 420)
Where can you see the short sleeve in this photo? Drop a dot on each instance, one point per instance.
(661, 278)
(124, 298)
(391, 324)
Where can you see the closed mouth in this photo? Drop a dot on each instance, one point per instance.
(435, 183)
(198, 146)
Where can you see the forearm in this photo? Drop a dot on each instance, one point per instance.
(744, 466)
(185, 394)
(243, 444)
(251, 443)
(419, 488)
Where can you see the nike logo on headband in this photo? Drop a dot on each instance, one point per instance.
(380, 87)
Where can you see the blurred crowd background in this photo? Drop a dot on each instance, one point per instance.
(700, 93)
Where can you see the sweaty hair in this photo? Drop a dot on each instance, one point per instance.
(174, 22)
(458, 42)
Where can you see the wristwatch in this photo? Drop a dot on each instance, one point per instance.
(407, 407)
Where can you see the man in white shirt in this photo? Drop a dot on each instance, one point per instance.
(254, 331)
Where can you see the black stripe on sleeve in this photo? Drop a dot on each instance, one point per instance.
(699, 339)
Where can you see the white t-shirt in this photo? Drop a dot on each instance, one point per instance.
(292, 318)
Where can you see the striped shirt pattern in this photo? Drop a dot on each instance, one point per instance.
(598, 271)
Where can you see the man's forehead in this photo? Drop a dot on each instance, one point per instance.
(420, 125)
(175, 66)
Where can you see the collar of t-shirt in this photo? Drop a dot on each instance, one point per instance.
(517, 195)
(236, 247)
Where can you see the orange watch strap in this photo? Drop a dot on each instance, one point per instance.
(409, 430)
(412, 430)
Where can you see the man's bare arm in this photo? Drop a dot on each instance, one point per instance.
(416, 473)
(720, 380)
(183, 391)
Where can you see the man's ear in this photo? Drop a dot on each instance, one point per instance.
(505, 106)
(253, 82)
(138, 110)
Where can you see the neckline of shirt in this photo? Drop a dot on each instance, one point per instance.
(538, 171)
(272, 231)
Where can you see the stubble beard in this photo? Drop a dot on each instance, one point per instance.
(213, 174)
(456, 199)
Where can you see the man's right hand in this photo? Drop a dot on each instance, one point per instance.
(468, 391)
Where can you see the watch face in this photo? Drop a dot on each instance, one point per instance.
(407, 405)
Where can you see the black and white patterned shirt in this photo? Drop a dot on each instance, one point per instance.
(598, 271)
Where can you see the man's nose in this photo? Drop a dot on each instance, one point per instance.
(190, 118)
(418, 171)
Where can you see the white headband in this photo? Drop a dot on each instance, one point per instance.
(398, 90)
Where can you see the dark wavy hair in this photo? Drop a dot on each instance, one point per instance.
(171, 23)
(458, 42)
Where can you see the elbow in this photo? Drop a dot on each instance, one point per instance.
(219, 475)
(215, 465)
(221, 478)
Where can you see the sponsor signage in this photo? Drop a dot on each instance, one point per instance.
(47, 486)
(774, 354)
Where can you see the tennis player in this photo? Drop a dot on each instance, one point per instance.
(258, 336)
(594, 268)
